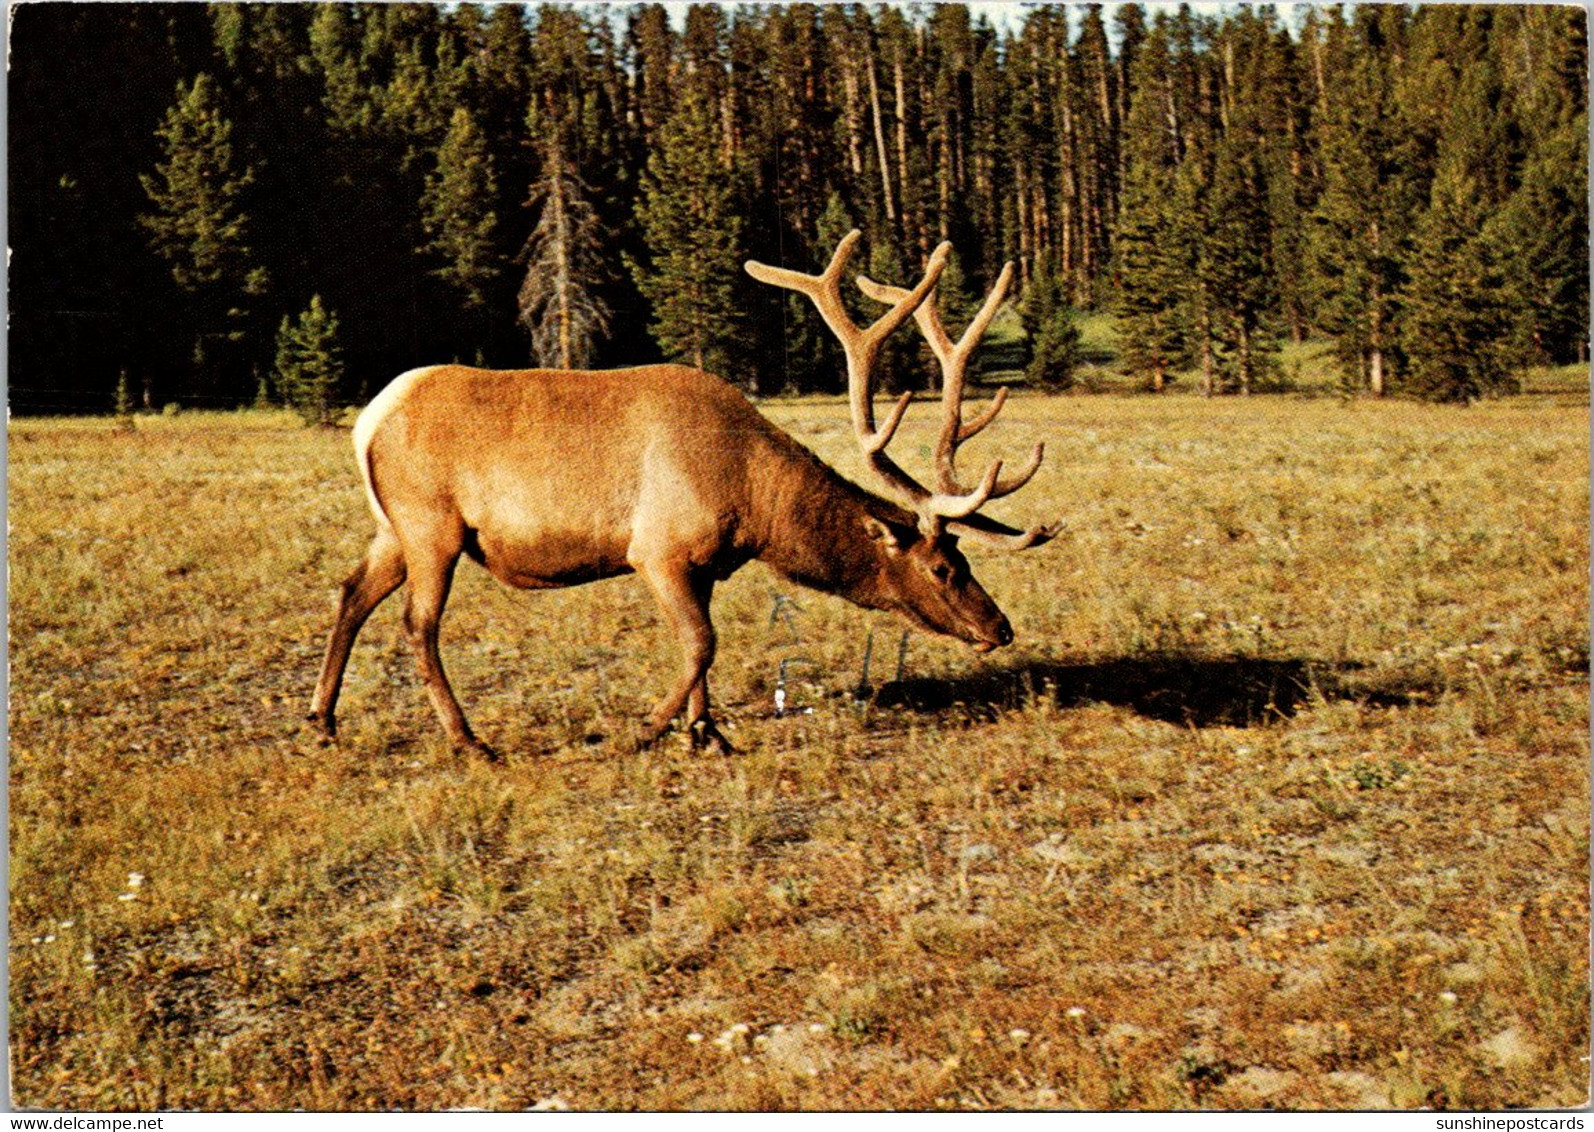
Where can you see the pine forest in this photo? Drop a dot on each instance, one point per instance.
(225, 205)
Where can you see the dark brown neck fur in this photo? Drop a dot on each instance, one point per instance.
(813, 523)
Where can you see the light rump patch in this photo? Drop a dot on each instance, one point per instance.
(370, 420)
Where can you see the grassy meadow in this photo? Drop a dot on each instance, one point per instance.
(1279, 800)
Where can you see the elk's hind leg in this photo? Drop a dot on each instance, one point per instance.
(368, 586)
(431, 563)
(683, 596)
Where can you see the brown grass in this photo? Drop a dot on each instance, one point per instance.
(1281, 799)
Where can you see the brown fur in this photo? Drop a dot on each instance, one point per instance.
(551, 478)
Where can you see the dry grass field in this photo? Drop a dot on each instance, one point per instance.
(1280, 799)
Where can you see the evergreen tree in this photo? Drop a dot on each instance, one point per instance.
(904, 361)
(651, 50)
(500, 54)
(811, 356)
(1053, 336)
(1150, 271)
(124, 396)
(1361, 225)
(578, 122)
(200, 228)
(458, 211)
(1542, 239)
(1235, 260)
(309, 365)
(560, 304)
(1188, 240)
(692, 272)
(1456, 314)
(1455, 318)
(1149, 299)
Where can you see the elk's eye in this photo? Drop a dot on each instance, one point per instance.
(941, 572)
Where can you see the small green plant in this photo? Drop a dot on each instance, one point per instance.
(309, 368)
(1373, 776)
(262, 390)
(124, 396)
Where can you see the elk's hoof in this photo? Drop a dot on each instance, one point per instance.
(323, 729)
(475, 747)
(705, 734)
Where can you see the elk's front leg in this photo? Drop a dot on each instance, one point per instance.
(683, 596)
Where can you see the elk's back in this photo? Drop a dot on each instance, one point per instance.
(564, 476)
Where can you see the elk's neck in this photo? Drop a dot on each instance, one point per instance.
(814, 527)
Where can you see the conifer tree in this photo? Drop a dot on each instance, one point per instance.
(560, 304)
(651, 48)
(309, 365)
(199, 225)
(811, 356)
(458, 211)
(1455, 322)
(1049, 324)
(200, 228)
(1361, 225)
(904, 361)
(1149, 296)
(1150, 271)
(1542, 236)
(1234, 265)
(693, 236)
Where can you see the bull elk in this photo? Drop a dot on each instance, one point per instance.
(554, 478)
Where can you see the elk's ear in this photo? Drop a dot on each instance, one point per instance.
(894, 539)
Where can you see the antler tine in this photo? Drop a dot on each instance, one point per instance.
(945, 505)
(952, 501)
(1000, 536)
(927, 315)
(861, 347)
(959, 504)
(954, 367)
(824, 289)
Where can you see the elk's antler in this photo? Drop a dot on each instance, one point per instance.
(954, 361)
(862, 348)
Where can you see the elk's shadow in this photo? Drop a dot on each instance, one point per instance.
(1188, 691)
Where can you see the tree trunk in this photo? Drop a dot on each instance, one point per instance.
(944, 174)
(1065, 202)
(1207, 382)
(1375, 319)
(899, 78)
(1243, 333)
(556, 201)
(880, 144)
(854, 118)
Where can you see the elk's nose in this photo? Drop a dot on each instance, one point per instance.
(1004, 633)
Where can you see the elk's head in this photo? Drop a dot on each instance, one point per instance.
(927, 581)
(920, 573)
